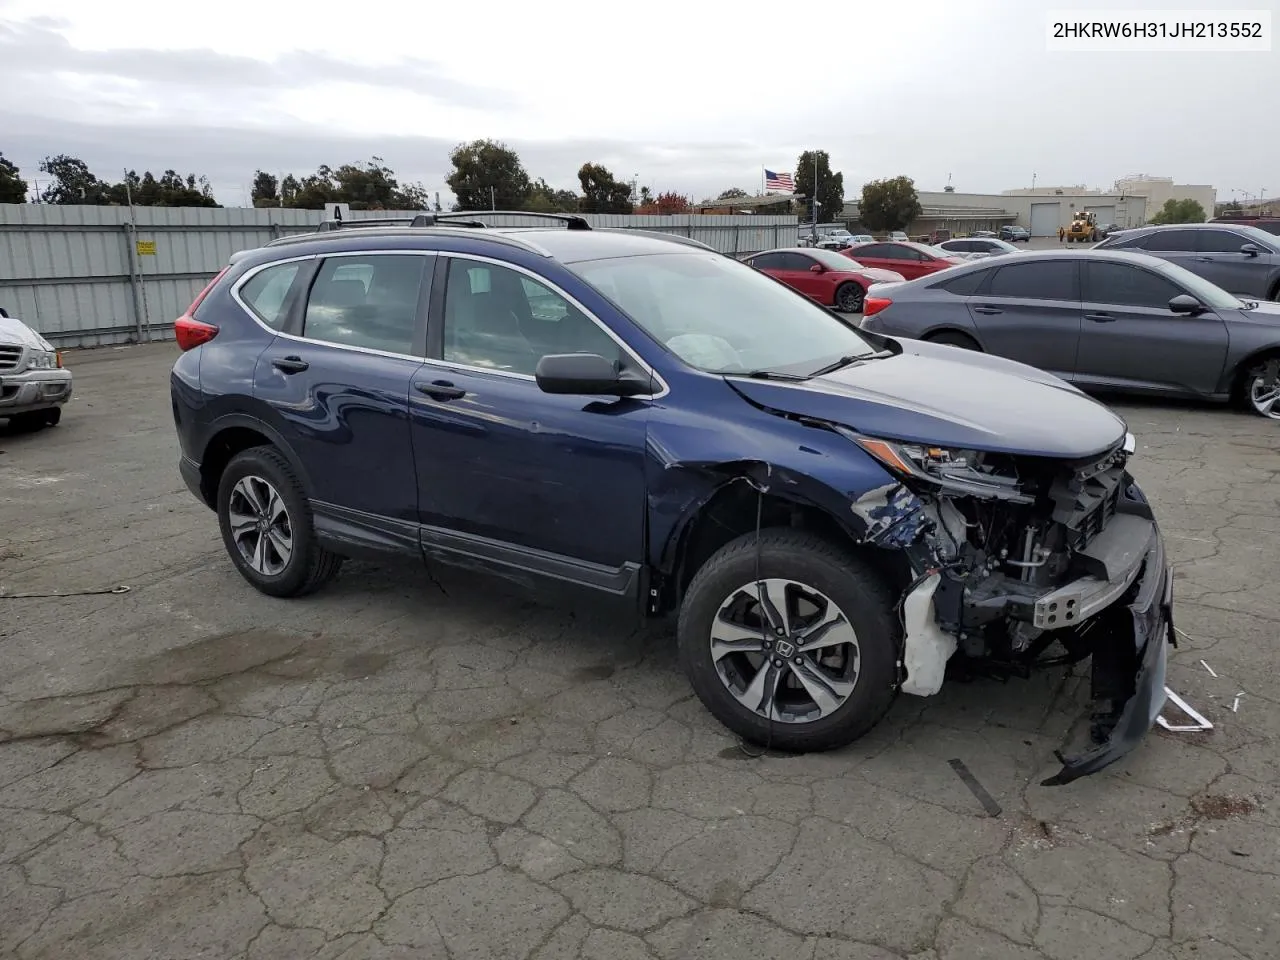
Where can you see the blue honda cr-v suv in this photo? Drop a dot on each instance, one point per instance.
(833, 515)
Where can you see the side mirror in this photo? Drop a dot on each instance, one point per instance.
(1250, 249)
(1186, 304)
(817, 268)
(587, 374)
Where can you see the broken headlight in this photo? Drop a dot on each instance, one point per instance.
(957, 472)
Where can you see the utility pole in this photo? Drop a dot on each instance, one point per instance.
(136, 258)
(493, 204)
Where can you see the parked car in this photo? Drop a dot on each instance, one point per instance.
(981, 234)
(899, 235)
(991, 246)
(34, 385)
(835, 240)
(861, 238)
(1266, 224)
(1107, 229)
(1015, 234)
(939, 236)
(909, 259)
(1241, 259)
(1103, 320)
(823, 275)
(830, 514)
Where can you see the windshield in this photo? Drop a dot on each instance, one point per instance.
(722, 316)
(1207, 293)
(830, 259)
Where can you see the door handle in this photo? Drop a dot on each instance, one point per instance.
(1100, 317)
(987, 310)
(290, 364)
(440, 390)
(1203, 259)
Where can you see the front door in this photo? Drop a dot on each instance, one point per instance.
(512, 477)
(1220, 261)
(1131, 339)
(1030, 312)
(796, 272)
(336, 383)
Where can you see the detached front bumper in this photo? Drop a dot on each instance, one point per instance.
(33, 390)
(1149, 619)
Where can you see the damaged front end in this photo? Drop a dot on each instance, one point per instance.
(1022, 563)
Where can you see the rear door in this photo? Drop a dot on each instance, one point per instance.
(336, 382)
(1220, 261)
(1131, 339)
(1176, 246)
(1030, 312)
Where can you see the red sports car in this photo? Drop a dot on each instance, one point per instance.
(909, 259)
(825, 275)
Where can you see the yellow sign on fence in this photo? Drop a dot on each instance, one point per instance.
(146, 248)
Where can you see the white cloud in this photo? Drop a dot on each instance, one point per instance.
(689, 96)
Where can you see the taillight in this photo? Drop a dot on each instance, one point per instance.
(190, 332)
(873, 305)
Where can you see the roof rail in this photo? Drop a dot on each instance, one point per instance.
(661, 235)
(572, 221)
(418, 220)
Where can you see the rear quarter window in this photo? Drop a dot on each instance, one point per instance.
(964, 285)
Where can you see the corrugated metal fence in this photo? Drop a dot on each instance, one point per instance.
(85, 276)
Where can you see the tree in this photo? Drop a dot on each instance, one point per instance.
(889, 204)
(488, 175)
(646, 196)
(544, 198)
(73, 182)
(170, 189)
(601, 193)
(830, 192)
(13, 189)
(266, 190)
(672, 203)
(1180, 211)
(733, 193)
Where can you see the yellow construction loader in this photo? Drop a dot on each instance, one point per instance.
(1083, 228)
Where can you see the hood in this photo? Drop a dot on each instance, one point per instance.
(935, 394)
(13, 330)
(1266, 312)
(877, 275)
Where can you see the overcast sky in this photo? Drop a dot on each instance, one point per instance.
(690, 96)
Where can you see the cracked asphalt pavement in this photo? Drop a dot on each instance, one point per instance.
(408, 767)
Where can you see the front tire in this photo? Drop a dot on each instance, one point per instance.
(849, 297)
(814, 667)
(953, 338)
(1259, 389)
(267, 526)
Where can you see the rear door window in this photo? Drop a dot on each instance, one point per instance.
(368, 301)
(1039, 280)
(1171, 241)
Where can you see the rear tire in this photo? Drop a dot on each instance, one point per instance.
(954, 338)
(267, 526)
(1258, 388)
(815, 574)
(849, 297)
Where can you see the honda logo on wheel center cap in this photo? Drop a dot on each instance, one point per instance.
(784, 649)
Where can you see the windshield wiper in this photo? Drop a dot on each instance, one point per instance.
(851, 359)
(765, 375)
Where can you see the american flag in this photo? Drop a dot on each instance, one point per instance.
(778, 181)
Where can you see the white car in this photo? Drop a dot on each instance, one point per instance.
(34, 386)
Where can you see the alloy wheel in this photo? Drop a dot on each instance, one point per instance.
(1264, 390)
(785, 651)
(851, 299)
(260, 525)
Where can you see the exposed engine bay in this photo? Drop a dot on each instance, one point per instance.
(1020, 563)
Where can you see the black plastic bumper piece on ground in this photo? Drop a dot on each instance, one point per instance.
(1152, 611)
